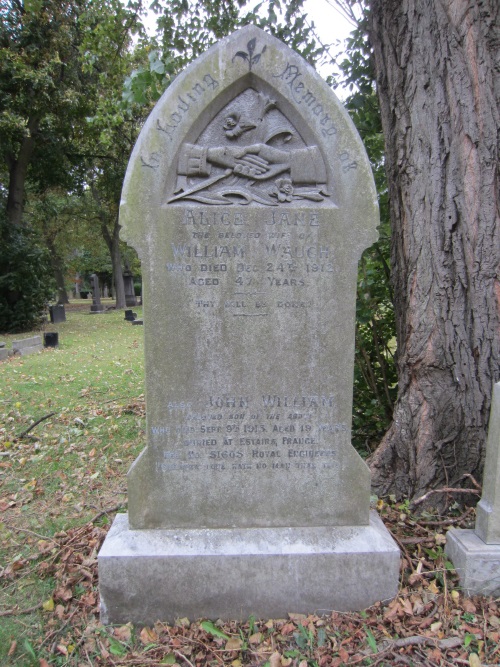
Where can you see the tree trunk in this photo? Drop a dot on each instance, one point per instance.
(113, 243)
(57, 268)
(437, 69)
(18, 169)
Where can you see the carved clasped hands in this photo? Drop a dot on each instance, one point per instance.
(258, 161)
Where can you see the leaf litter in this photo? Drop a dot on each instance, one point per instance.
(430, 622)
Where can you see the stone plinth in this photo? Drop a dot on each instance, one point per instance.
(477, 563)
(234, 573)
(476, 553)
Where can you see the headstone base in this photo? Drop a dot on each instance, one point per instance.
(150, 575)
(477, 563)
(27, 346)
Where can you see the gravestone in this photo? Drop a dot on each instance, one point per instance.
(51, 339)
(249, 199)
(96, 306)
(57, 313)
(130, 315)
(476, 553)
(128, 280)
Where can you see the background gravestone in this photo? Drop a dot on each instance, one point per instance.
(249, 199)
(128, 280)
(96, 306)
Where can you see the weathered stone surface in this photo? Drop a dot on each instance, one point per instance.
(249, 309)
(4, 353)
(488, 509)
(27, 346)
(249, 199)
(477, 563)
(233, 573)
(476, 553)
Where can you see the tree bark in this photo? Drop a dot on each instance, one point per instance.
(437, 66)
(112, 240)
(18, 169)
(57, 268)
(113, 243)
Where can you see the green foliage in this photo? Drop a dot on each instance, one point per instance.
(375, 377)
(26, 283)
(186, 30)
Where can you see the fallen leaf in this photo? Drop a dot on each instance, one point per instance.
(297, 617)
(64, 594)
(343, 655)
(432, 587)
(234, 644)
(12, 648)
(48, 605)
(408, 609)
(123, 633)
(474, 660)
(256, 638)
(469, 606)
(275, 659)
(148, 636)
(288, 628)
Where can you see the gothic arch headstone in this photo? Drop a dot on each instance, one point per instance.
(249, 199)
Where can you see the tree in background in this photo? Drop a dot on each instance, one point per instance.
(437, 66)
(375, 377)
(58, 62)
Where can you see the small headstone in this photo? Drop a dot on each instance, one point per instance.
(130, 315)
(51, 339)
(128, 280)
(2, 343)
(476, 553)
(249, 199)
(27, 346)
(4, 353)
(78, 282)
(57, 313)
(96, 306)
(137, 322)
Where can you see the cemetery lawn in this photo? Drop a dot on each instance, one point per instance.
(63, 480)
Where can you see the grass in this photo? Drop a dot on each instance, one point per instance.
(73, 463)
(62, 482)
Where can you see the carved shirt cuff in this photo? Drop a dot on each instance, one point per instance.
(307, 165)
(193, 161)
